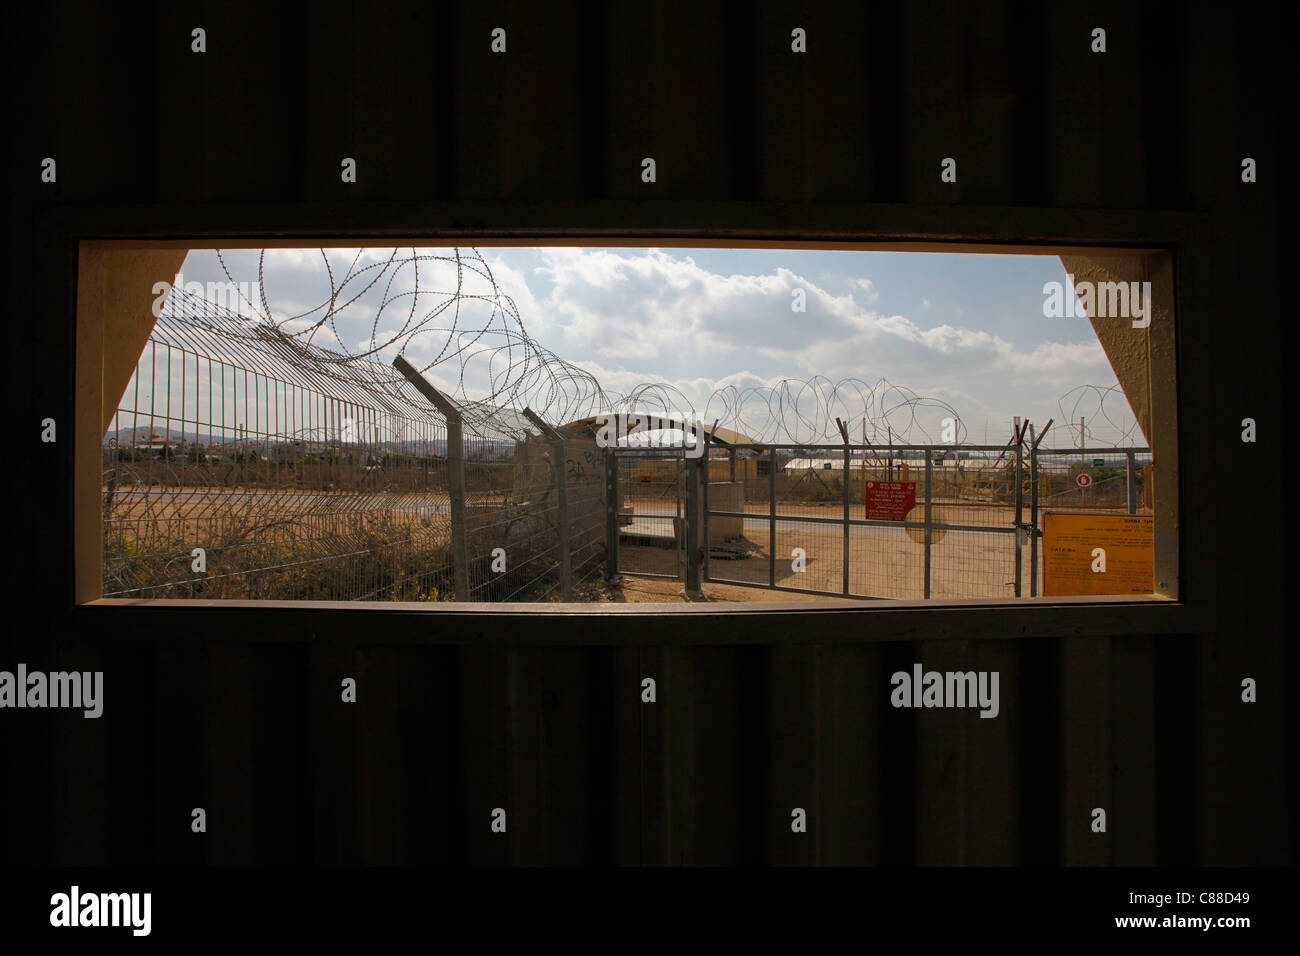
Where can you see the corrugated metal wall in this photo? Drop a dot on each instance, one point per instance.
(241, 715)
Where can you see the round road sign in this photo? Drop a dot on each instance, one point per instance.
(1083, 481)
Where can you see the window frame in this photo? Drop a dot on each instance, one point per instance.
(832, 225)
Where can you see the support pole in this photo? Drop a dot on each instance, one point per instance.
(611, 514)
(1130, 482)
(455, 474)
(844, 433)
(929, 473)
(771, 517)
(693, 520)
(1019, 478)
(1033, 507)
(561, 502)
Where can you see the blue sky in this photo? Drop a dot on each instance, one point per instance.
(965, 330)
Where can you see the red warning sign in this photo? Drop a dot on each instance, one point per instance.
(889, 500)
(1083, 481)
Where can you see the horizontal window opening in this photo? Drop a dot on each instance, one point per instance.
(599, 426)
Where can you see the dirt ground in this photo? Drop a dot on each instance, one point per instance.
(644, 590)
(884, 562)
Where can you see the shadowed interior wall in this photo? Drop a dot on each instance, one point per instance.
(241, 716)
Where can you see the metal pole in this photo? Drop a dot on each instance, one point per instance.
(679, 533)
(692, 528)
(704, 502)
(1033, 510)
(1130, 482)
(1033, 514)
(562, 521)
(1020, 501)
(611, 513)
(455, 474)
(844, 433)
(558, 462)
(771, 517)
(456, 491)
(928, 516)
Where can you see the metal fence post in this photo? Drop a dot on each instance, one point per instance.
(692, 524)
(771, 517)
(929, 478)
(1130, 482)
(455, 475)
(708, 477)
(611, 513)
(456, 489)
(562, 519)
(561, 502)
(1033, 514)
(1033, 506)
(1020, 501)
(844, 433)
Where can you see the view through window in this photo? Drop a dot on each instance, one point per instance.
(587, 424)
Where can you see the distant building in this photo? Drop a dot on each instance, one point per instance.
(155, 445)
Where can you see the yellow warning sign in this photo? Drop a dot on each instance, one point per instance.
(1097, 553)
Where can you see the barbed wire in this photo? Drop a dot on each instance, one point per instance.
(448, 315)
(1102, 424)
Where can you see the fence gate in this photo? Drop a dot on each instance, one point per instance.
(906, 523)
(651, 512)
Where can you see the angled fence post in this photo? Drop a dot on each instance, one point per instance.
(561, 502)
(455, 474)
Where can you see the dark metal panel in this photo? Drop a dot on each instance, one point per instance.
(627, 713)
(336, 753)
(795, 744)
(730, 793)
(1073, 113)
(177, 681)
(994, 761)
(967, 782)
(227, 743)
(1133, 740)
(938, 121)
(245, 718)
(667, 99)
(1084, 745)
(850, 817)
(366, 85)
(81, 795)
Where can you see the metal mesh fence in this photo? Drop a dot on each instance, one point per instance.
(292, 482)
(239, 465)
(906, 523)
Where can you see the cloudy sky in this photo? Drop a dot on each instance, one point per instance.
(965, 330)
